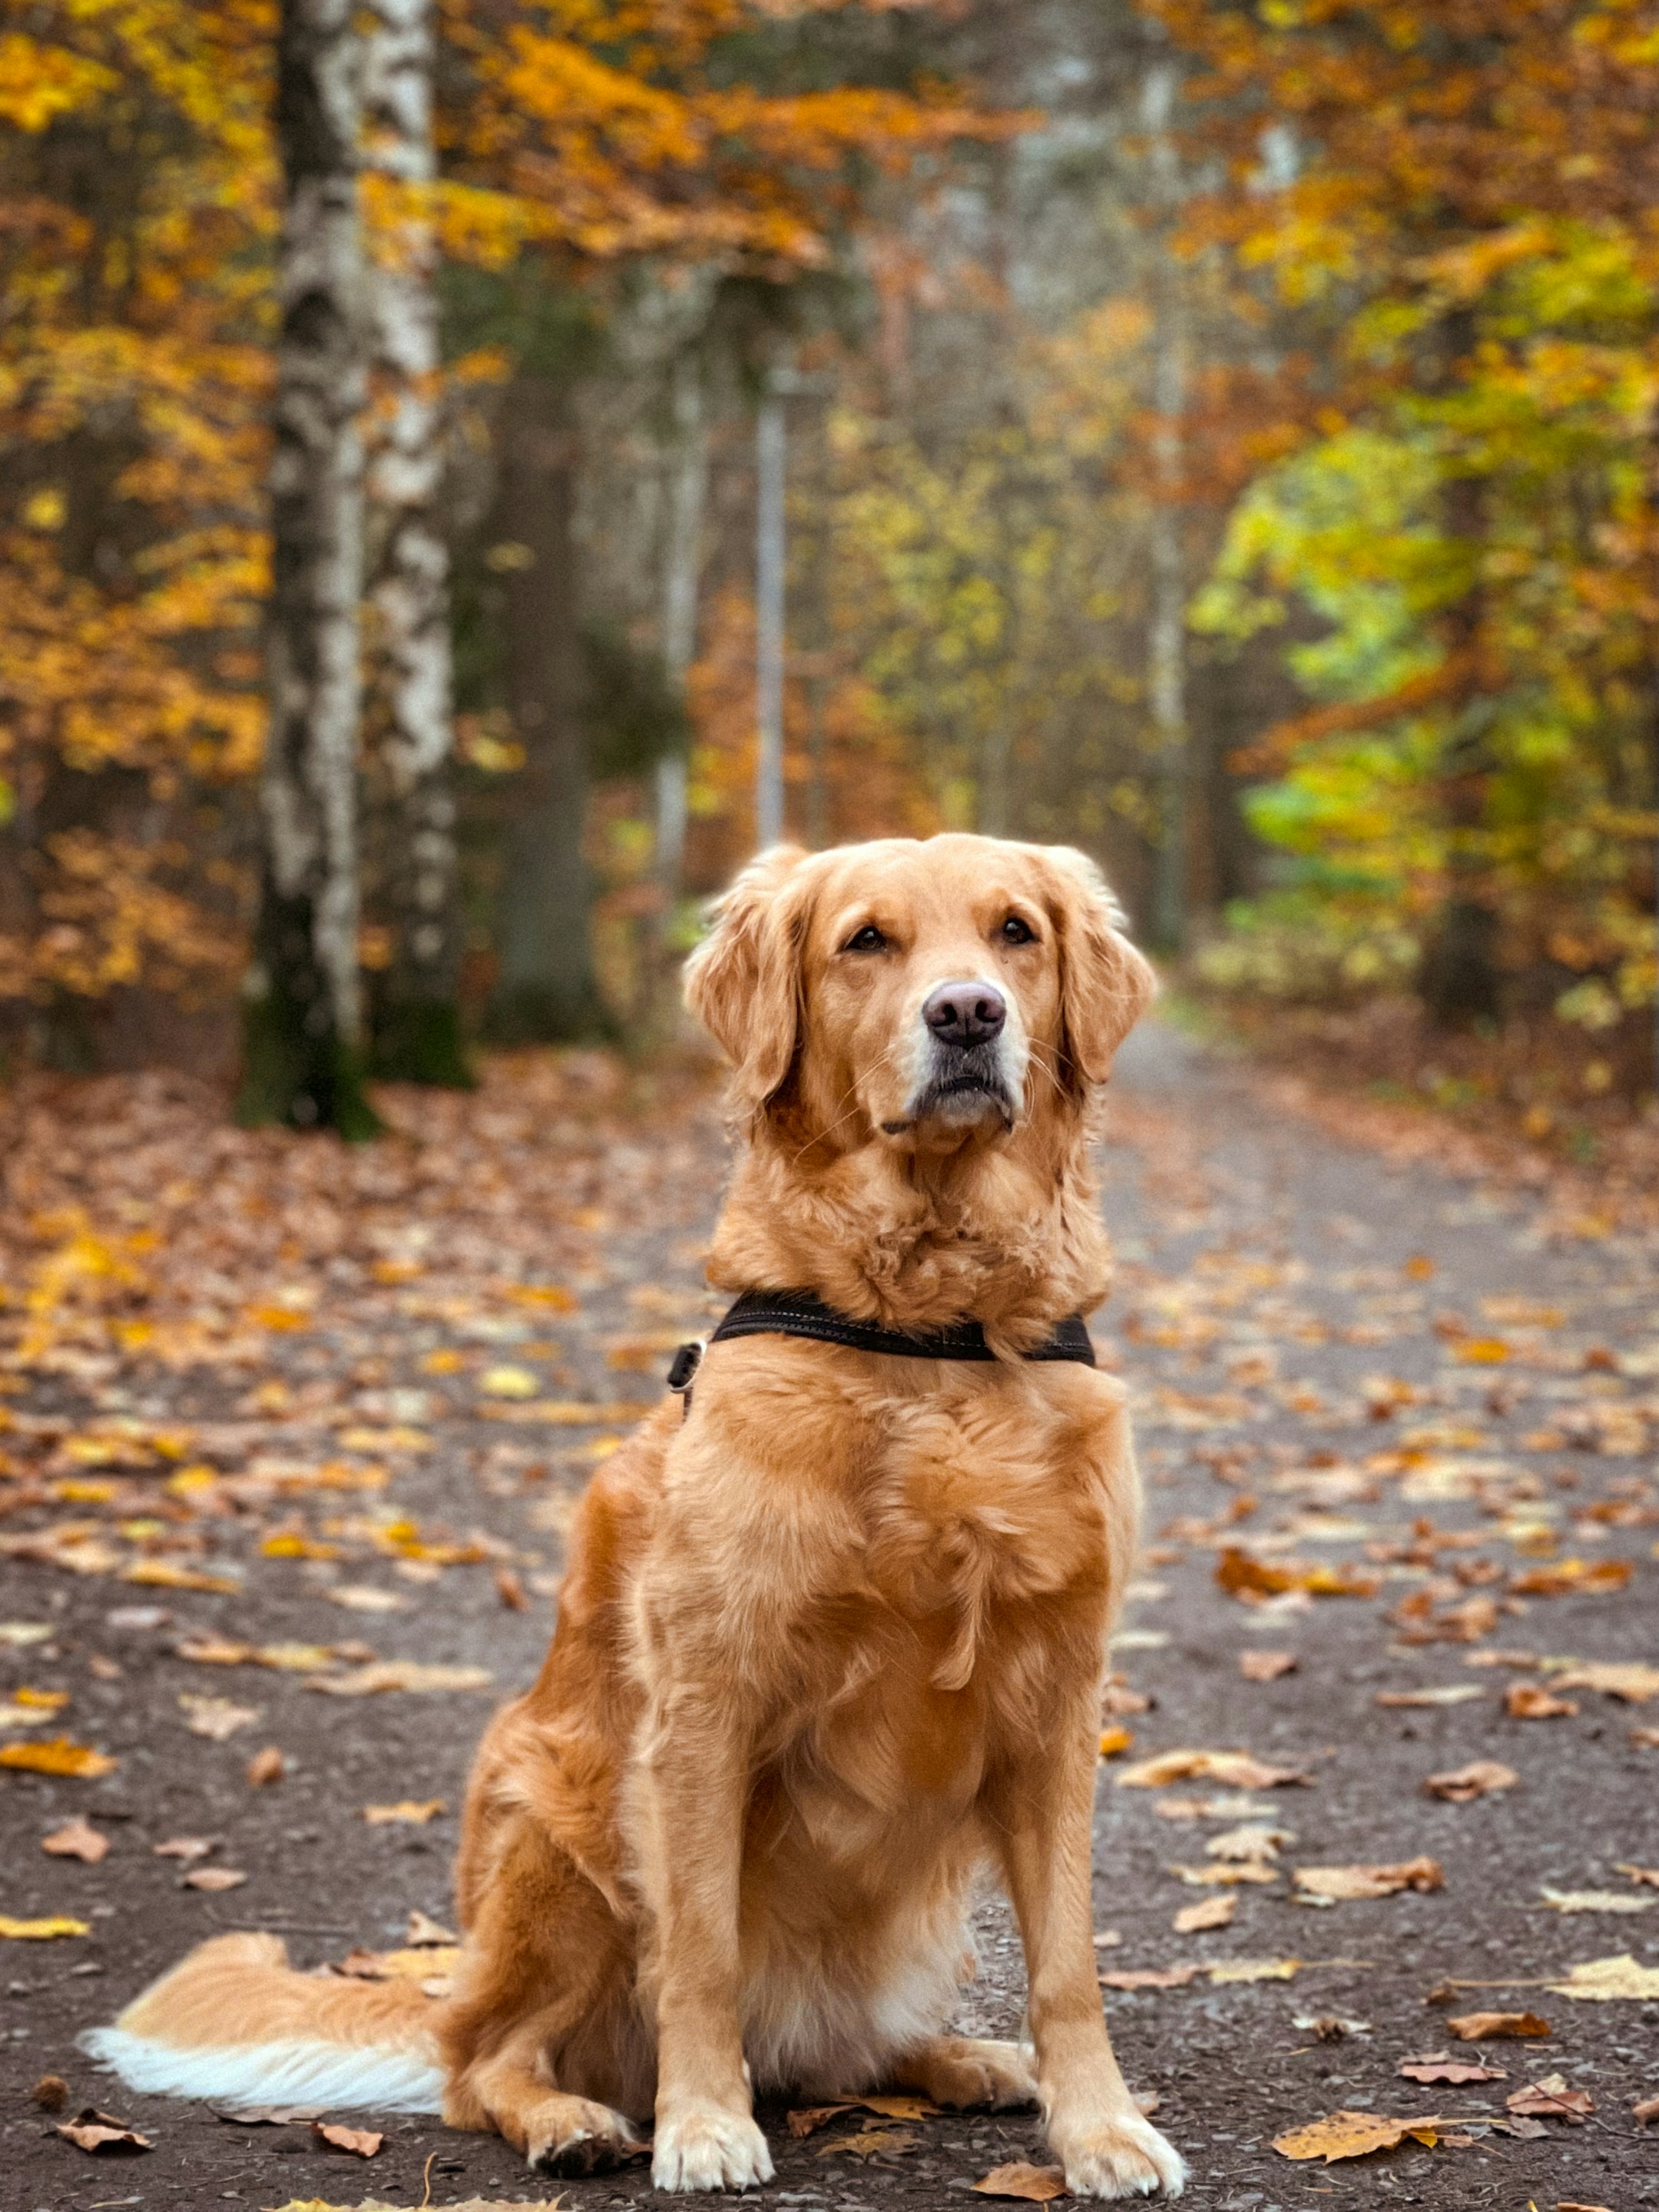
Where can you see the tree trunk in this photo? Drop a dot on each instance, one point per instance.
(1166, 643)
(770, 483)
(682, 577)
(545, 991)
(414, 1007)
(1460, 981)
(301, 1022)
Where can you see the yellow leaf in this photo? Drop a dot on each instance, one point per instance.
(1597, 1979)
(163, 1574)
(1113, 1741)
(1352, 2135)
(509, 1383)
(1480, 1351)
(57, 1756)
(39, 1931)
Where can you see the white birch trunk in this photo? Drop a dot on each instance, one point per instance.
(770, 478)
(682, 577)
(412, 677)
(303, 1016)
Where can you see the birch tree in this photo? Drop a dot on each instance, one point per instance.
(302, 1015)
(415, 1015)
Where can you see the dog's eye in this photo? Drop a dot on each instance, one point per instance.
(867, 939)
(1015, 932)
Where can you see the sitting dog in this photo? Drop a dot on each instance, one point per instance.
(830, 1640)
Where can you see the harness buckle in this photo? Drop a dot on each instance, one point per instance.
(683, 1368)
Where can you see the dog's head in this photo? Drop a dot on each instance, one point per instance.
(922, 995)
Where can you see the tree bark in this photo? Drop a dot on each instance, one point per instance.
(545, 991)
(1166, 643)
(303, 1027)
(415, 1008)
(682, 577)
(1460, 981)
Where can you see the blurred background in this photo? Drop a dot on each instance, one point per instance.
(1219, 434)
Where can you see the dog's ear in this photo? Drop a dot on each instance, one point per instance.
(1105, 985)
(743, 982)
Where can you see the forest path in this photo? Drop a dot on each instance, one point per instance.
(1345, 1369)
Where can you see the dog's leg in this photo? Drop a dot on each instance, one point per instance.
(960, 2072)
(540, 1954)
(694, 1787)
(1045, 1812)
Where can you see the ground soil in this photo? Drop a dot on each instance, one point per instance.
(1301, 1321)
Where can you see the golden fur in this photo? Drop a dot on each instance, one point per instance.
(828, 1649)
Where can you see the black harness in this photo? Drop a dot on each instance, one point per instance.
(799, 1313)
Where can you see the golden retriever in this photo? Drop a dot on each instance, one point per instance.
(831, 1641)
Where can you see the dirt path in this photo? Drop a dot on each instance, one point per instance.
(345, 1389)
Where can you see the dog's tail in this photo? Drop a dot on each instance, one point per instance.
(234, 2022)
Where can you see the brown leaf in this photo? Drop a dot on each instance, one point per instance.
(1233, 1770)
(1573, 1577)
(1354, 2135)
(1034, 2185)
(1646, 2112)
(358, 2142)
(1629, 1679)
(93, 2130)
(1345, 1884)
(268, 2116)
(265, 1767)
(1208, 1913)
(1528, 1701)
(810, 2119)
(1248, 1843)
(1477, 1780)
(1266, 1666)
(1649, 1875)
(186, 1847)
(1440, 2067)
(217, 1718)
(51, 2093)
(1151, 1977)
(1485, 2026)
(384, 1674)
(212, 1878)
(415, 1811)
(1552, 2099)
(871, 2142)
(76, 1839)
(423, 1929)
(511, 1591)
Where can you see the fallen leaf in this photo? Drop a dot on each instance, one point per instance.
(265, 1767)
(76, 1839)
(1488, 2027)
(1345, 1884)
(1330, 2026)
(164, 1574)
(1233, 1770)
(1225, 1876)
(51, 2093)
(212, 1878)
(415, 1812)
(93, 2130)
(401, 1674)
(1551, 2099)
(1572, 1577)
(1596, 1900)
(358, 2142)
(1631, 1681)
(1247, 1843)
(422, 1930)
(1647, 1874)
(509, 1383)
(1572, 2204)
(809, 2120)
(1034, 2185)
(268, 2116)
(1530, 1701)
(1208, 1913)
(1266, 1666)
(362, 1598)
(186, 1847)
(1439, 2067)
(1479, 1778)
(1644, 1739)
(1454, 1694)
(40, 1931)
(1254, 1970)
(1646, 2112)
(58, 1756)
(1151, 1977)
(1114, 1741)
(871, 2142)
(217, 1718)
(1603, 1980)
(1354, 2135)
(511, 1591)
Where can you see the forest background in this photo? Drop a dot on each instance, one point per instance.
(1223, 436)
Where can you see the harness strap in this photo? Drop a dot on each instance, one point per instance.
(800, 1313)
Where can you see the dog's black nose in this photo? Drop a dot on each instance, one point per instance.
(964, 1014)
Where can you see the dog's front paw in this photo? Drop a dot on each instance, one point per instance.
(573, 2136)
(704, 2147)
(1123, 2156)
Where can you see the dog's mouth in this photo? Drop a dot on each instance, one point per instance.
(959, 1096)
